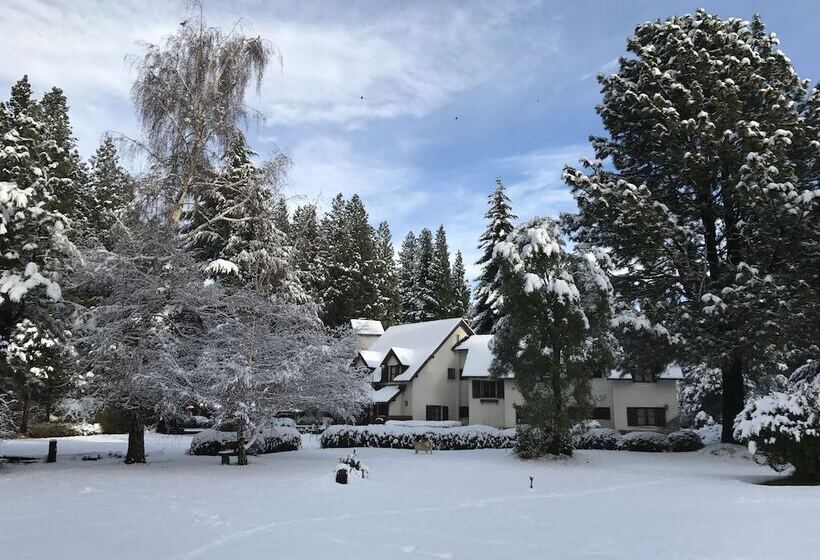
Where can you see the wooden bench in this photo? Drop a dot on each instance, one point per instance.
(423, 445)
(229, 449)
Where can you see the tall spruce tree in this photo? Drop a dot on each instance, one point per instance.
(461, 291)
(407, 276)
(107, 193)
(280, 215)
(388, 304)
(232, 229)
(305, 239)
(708, 208)
(68, 173)
(34, 251)
(499, 225)
(347, 253)
(553, 333)
(441, 277)
(422, 293)
(32, 242)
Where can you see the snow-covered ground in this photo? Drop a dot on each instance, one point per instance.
(451, 504)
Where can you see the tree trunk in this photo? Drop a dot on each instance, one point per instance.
(732, 397)
(136, 441)
(241, 452)
(24, 414)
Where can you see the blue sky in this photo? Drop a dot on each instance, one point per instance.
(455, 93)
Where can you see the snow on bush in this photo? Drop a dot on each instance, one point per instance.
(269, 440)
(597, 438)
(644, 441)
(710, 434)
(424, 423)
(403, 437)
(685, 440)
(784, 427)
(352, 465)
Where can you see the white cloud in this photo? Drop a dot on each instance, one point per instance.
(406, 61)
(324, 166)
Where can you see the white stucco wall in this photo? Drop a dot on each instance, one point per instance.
(627, 394)
(431, 386)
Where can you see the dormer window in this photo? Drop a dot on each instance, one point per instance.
(394, 371)
(643, 377)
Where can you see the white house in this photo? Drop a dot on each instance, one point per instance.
(439, 370)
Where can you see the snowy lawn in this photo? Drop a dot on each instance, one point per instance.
(451, 504)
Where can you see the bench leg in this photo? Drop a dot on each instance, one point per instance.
(226, 459)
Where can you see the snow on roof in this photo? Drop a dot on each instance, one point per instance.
(367, 327)
(386, 393)
(672, 371)
(412, 343)
(404, 355)
(371, 358)
(479, 356)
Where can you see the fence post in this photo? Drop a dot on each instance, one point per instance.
(52, 451)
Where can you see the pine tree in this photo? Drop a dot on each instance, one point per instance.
(232, 227)
(68, 173)
(707, 209)
(407, 276)
(423, 292)
(461, 291)
(305, 239)
(109, 190)
(388, 305)
(281, 217)
(499, 225)
(32, 242)
(347, 256)
(441, 277)
(553, 332)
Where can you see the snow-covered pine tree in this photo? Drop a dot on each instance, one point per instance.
(407, 276)
(305, 240)
(423, 292)
(347, 254)
(461, 290)
(34, 356)
(108, 191)
(553, 331)
(388, 305)
(499, 225)
(441, 277)
(68, 179)
(33, 246)
(708, 208)
(281, 216)
(232, 228)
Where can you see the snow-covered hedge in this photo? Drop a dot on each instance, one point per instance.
(784, 427)
(644, 441)
(270, 440)
(685, 440)
(403, 437)
(597, 438)
(424, 423)
(62, 429)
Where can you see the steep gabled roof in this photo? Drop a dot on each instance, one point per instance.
(479, 356)
(413, 344)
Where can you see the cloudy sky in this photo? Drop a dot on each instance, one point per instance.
(416, 106)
